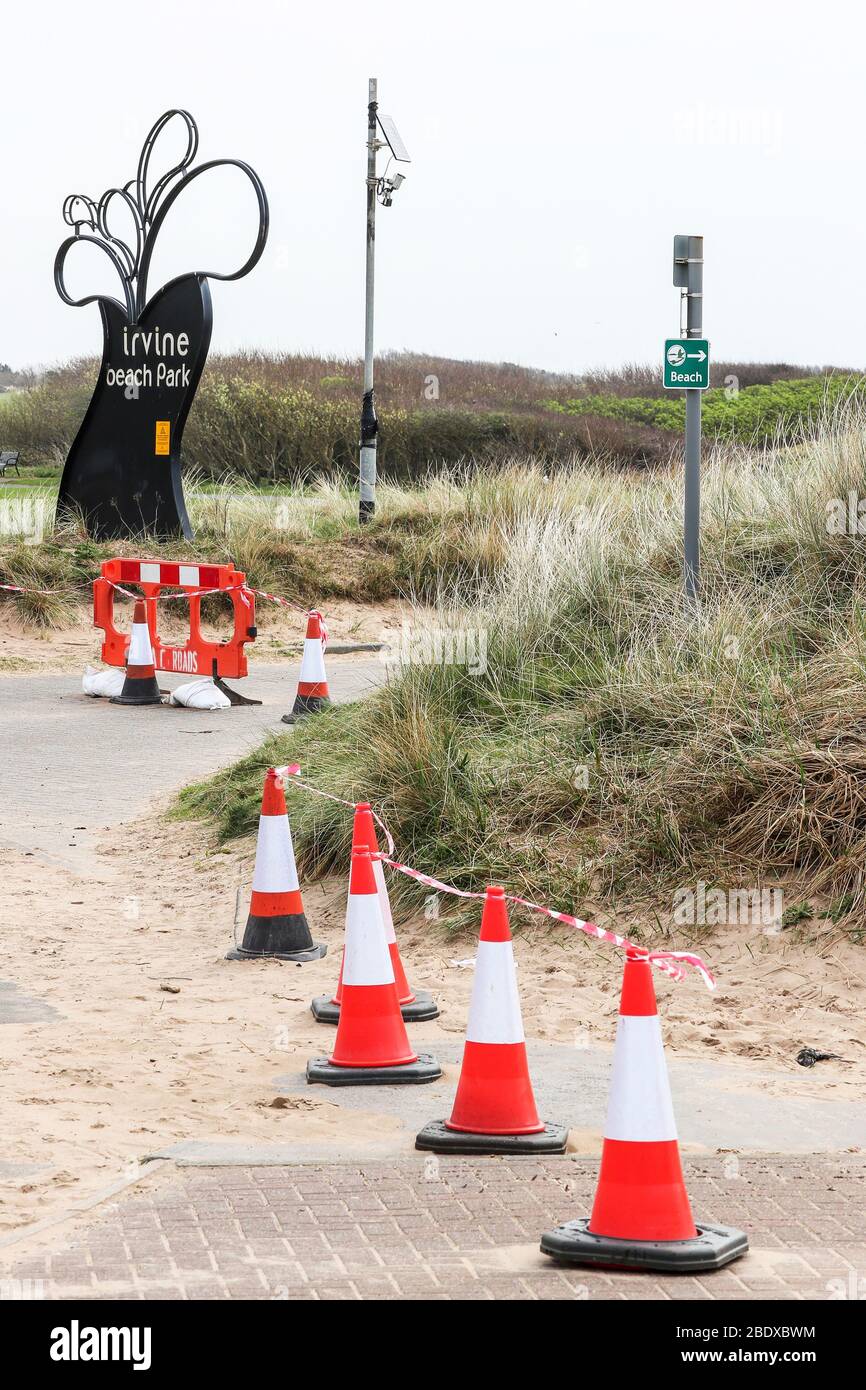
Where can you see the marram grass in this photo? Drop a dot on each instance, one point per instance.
(619, 741)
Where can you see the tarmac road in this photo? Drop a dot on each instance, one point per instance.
(76, 766)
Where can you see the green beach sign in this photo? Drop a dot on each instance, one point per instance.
(686, 364)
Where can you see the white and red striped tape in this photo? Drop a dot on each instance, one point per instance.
(20, 589)
(189, 575)
(242, 589)
(671, 963)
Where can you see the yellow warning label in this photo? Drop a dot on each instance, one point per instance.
(163, 436)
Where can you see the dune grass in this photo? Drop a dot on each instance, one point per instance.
(619, 740)
(305, 545)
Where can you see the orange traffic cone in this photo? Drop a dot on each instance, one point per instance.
(312, 696)
(277, 925)
(140, 685)
(371, 1047)
(494, 1109)
(641, 1218)
(415, 1008)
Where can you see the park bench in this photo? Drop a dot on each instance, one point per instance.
(9, 459)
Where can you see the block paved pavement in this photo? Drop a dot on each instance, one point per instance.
(442, 1228)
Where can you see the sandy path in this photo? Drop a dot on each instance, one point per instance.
(24, 650)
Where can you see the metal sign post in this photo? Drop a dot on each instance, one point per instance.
(382, 189)
(688, 360)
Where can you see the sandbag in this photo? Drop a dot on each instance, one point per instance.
(105, 684)
(202, 694)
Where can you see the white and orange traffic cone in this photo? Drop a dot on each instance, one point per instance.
(494, 1109)
(140, 685)
(277, 925)
(371, 1046)
(641, 1218)
(312, 696)
(415, 1008)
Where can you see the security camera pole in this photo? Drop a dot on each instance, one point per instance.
(687, 364)
(383, 189)
(369, 423)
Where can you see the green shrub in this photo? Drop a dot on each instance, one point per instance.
(279, 418)
(757, 414)
(263, 432)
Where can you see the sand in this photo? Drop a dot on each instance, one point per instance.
(280, 637)
(157, 1038)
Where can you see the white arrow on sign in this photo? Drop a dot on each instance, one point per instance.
(701, 356)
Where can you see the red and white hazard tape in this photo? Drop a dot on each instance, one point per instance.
(275, 598)
(242, 589)
(297, 607)
(20, 589)
(181, 593)
(671, 963)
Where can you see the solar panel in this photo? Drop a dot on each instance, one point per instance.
(393, 139)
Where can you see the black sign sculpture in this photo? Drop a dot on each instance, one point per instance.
(123, 472)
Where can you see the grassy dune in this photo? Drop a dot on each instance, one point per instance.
(305, 545)
(618, 741)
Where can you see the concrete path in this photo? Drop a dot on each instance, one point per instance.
(719, 1106)
(78, 766)
(442, 1229)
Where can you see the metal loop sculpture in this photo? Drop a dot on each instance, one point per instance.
(123, 470)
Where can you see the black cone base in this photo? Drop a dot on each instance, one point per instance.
(437, 1138)
(304, 706)
(711, 1248)
(423, 1007)
(282, 938)
(138, 692)
(315, 952)
(320, 1070)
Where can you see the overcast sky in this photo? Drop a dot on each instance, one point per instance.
(556, 150)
